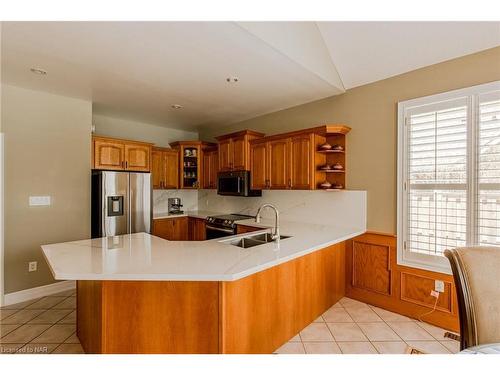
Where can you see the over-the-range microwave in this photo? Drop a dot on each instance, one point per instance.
(236, 183)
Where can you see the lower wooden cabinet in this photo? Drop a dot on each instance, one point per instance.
(196, 229)
(173, 229)
(240, 229)
(180, 228)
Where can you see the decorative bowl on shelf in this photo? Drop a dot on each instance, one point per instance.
(325, 146)
(337, 148)
(338, 166)
(337, 186)
(325, 185)
(325, 167)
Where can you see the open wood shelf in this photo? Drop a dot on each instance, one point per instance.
(331, 151)
(331, 170)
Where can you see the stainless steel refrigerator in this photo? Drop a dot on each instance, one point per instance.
(121, 203)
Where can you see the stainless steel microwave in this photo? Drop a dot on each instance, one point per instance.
(236, 183)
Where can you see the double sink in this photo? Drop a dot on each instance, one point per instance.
(255, 240)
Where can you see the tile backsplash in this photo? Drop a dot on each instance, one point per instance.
(189, 199)
(343, 208)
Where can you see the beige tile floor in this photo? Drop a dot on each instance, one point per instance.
(48, 324)
(41, 326)
(353, 327)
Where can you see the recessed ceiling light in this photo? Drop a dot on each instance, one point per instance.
(176, 106)
(232, 79)
(39, 71)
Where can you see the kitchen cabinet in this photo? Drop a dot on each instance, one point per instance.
(296, 161)
(277, 164)
(234, 150)
(120, 155)
(191, 162)
(240, 229)
(165, 168)
(210, 169)
(196, 229)
(173, 229)
(301, 165)
(258, 162)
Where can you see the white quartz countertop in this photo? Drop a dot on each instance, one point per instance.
(142, 256)
(197, 214)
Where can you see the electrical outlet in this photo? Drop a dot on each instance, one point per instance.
(32, 266)
(39, 201)
(439, 286)
(434, 294)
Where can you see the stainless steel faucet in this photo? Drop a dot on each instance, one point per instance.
(275, 235)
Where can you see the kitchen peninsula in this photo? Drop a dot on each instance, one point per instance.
(138, 293)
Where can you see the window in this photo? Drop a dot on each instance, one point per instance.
(448, 174)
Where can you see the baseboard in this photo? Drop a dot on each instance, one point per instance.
(39, 291)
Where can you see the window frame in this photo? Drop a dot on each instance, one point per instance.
(425, 261)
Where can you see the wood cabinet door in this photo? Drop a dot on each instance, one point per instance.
(278, 164)
(210, 167)
(157, 169)
(240, 229)
(239, 154)
(163, 228)
(301, 162)
(206, 166)
(196, 229)
(258, 166)
(225, 155)
(180, 229)
(171, 169)
(174, 229)
(137, 157)
(214, 169)
(109, 155)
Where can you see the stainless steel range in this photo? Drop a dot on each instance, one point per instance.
(223, 225)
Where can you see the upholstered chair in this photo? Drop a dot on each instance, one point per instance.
(476, 271)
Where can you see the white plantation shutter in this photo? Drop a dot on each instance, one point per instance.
(448, 174)
(488, 149)
(437, 177)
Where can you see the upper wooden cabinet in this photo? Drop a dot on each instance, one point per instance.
(191, 162)
(271, 164)
(210, 169)
(258, 162)
(165, 168)
(296, 161)
(234, 150)
(120, 154)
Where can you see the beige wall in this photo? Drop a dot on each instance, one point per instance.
(139, 131)
(47, 152)
(371, 112)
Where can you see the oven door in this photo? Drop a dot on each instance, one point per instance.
(215, 232)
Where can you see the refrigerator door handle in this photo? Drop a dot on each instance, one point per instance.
(104, 205)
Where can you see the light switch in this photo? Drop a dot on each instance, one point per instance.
(39, 201)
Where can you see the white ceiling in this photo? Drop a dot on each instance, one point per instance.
(139, 69)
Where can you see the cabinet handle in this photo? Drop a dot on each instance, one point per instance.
(126, 164)
(289, 183)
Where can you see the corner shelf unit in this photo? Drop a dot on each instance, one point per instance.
(190, 153)
(333, 135)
